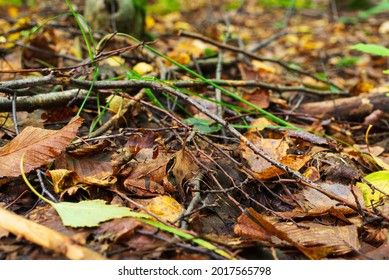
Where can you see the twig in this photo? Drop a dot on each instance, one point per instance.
(274, 37)
(108, 124)
(14, 117)
(180, 244)
(41, 101)
(254, 83)
(194, 202)
(256, 57)
(46, 237)
(295, 174)
(101, 56)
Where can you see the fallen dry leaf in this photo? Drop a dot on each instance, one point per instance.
(40, 145)
(165, 207)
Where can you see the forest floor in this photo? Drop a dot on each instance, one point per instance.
(271, 143)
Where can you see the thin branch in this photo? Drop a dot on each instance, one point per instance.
(254, 56)
(41, 101)
(14, 117)
(295, 174)
(108, 124)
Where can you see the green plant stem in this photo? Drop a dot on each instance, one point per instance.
(95, 76)
(188, 236)
(88, 44)
(229, 93)
(29, 184)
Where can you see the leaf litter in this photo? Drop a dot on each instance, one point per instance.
(178, 168)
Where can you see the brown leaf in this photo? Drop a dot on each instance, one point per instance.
(41, 146)
(282, 234)
(260, 98)
(118, 229)
(295, 162)
(248, 228)
(43, 51)
(318, 199)
(181, 170)
(312, 174)
(146, 175)
(277, 149)
(142, 139)
(91, 165)
(341, 239)
(88, 150)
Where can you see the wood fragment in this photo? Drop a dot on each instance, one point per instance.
(349, 108)
(45, 237)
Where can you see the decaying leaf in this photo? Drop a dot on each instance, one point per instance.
(182, 169)
(339, 239)
(312, 173)
(271, 228)
(259, 98)
(86, 162)
(165, 207)
(145, 175)
(40, 145)
(63, 179)
(118, 229)
(318, 199)
(248, 228)
(277, 149)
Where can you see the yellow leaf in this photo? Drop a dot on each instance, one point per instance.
(150, 22)
(165, 207)
(13, 11)
(117, 102)
(143, 68)
(115, 61)
(259, 125)
(182, 25)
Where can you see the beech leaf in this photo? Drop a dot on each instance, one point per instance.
(90, 213)
(40, 145)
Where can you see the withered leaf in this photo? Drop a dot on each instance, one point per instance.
(85, 166)
(248, 228)
(63, 179)
(264, 224)
(165, 207)
(40, 145)
(340, 239)
(275, 148)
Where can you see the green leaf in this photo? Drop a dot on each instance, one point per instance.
(92, 212)
(202, 126)
(347, 61)
(379, 179)
(386, 71)
(371, 48)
